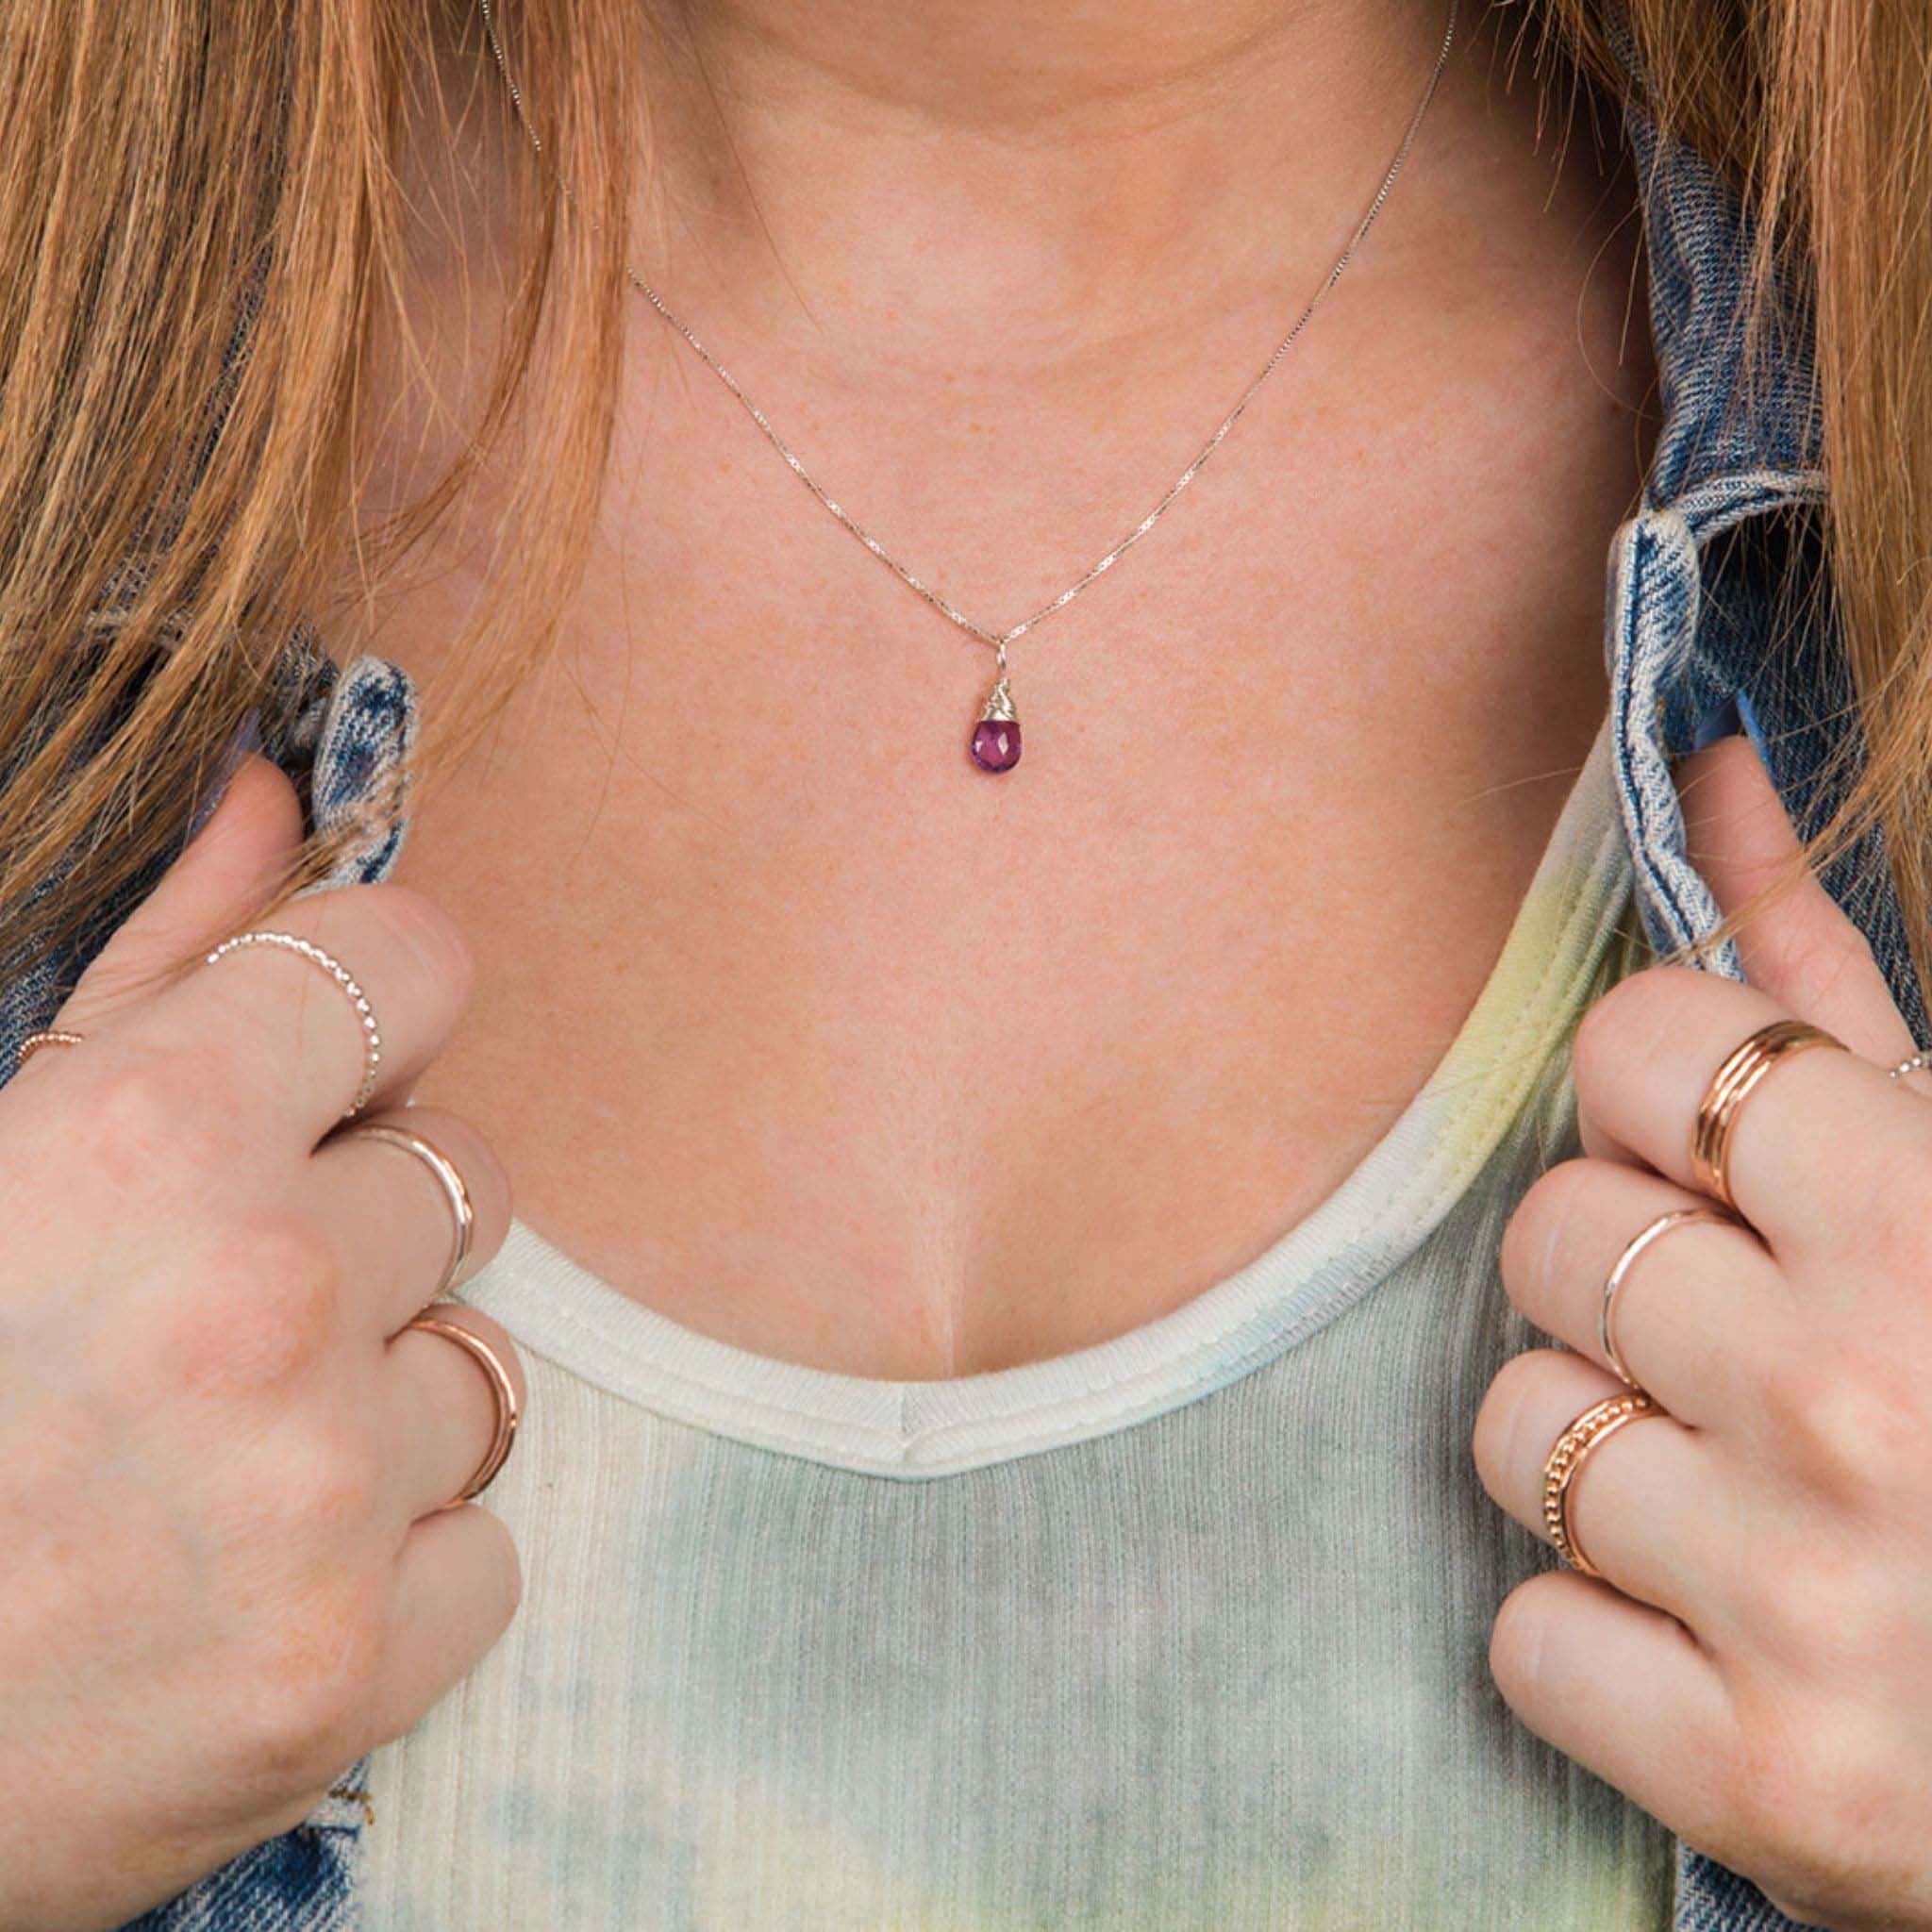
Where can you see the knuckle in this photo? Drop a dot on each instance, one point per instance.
(1497, 1439)
(500, 1584)
(1517, 1642)
(268, 1523)
(314, 1483)
(1812, 957)
(426, 934)
(1890, 1204)
(142, 1125)
(1821, 1610)
(1626, 1022)
(1535, 1230)
(1594, 1047)
(294, 1281)
(303, 1692)
(1852, 1426)
(263, 1308)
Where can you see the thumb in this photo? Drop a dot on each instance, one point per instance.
(227, 872)
(1798, 947)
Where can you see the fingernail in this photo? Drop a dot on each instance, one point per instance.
(1723, 719)
(1753, 728)
(246, 740)
(1732, 717)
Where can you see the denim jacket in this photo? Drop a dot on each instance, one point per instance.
(1715, 591)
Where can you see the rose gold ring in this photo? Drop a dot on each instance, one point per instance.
(1730, 1086)
(1607, 1315)
(449, 1178)
(502, 1387)
(1600, 1421)
(47, 1036)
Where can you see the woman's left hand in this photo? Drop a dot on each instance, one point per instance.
(1754, 1665)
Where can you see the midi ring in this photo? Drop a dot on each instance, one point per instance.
(1597, 1423)
(448, 1175)
(308, 949)
(1730, 1086)
(508, 1411)
(47, 1036)
(1607, 1314)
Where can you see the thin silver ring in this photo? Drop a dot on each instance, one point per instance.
(1607, 1314)
(308, 949)
(449, 1178)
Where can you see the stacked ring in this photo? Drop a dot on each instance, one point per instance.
(1597, 1424)
(1730, 1086)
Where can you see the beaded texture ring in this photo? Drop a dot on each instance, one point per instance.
(308, 949)
(1742, 1071)
(1601, 1420)
(45, 1037)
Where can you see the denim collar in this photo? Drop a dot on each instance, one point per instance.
(1729, 416)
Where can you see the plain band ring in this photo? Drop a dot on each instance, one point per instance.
(44, 1036)
(1743, 1067)
(449, 1176)
(501, 1386)
(1597, 1423)
(1607, 1314)
(308, 949)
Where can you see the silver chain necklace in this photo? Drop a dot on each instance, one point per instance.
(995, 742)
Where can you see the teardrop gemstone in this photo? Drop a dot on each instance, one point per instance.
(996, 737)
(996, 745)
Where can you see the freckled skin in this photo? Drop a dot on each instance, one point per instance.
(813, 1036)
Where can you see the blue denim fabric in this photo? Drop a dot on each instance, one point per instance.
(304, 1881)
(1716, 597)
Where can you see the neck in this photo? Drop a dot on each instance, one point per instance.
(1004, 177)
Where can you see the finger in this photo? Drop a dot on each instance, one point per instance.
(1602, 1146)
(442, 1407)
(1624, 1690)
(1646, 1503)
(280, 1029)
(236, 862)
(1693, 1308)
(1644, 1056)
(393, 1217)
(456, 1586)
(1800, 947)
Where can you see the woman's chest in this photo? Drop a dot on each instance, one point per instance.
(815, 1037)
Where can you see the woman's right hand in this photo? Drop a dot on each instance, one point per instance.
(224, 1572)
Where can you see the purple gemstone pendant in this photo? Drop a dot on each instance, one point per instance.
(996, 737)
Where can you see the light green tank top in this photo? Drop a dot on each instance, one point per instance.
(1185, 1630)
